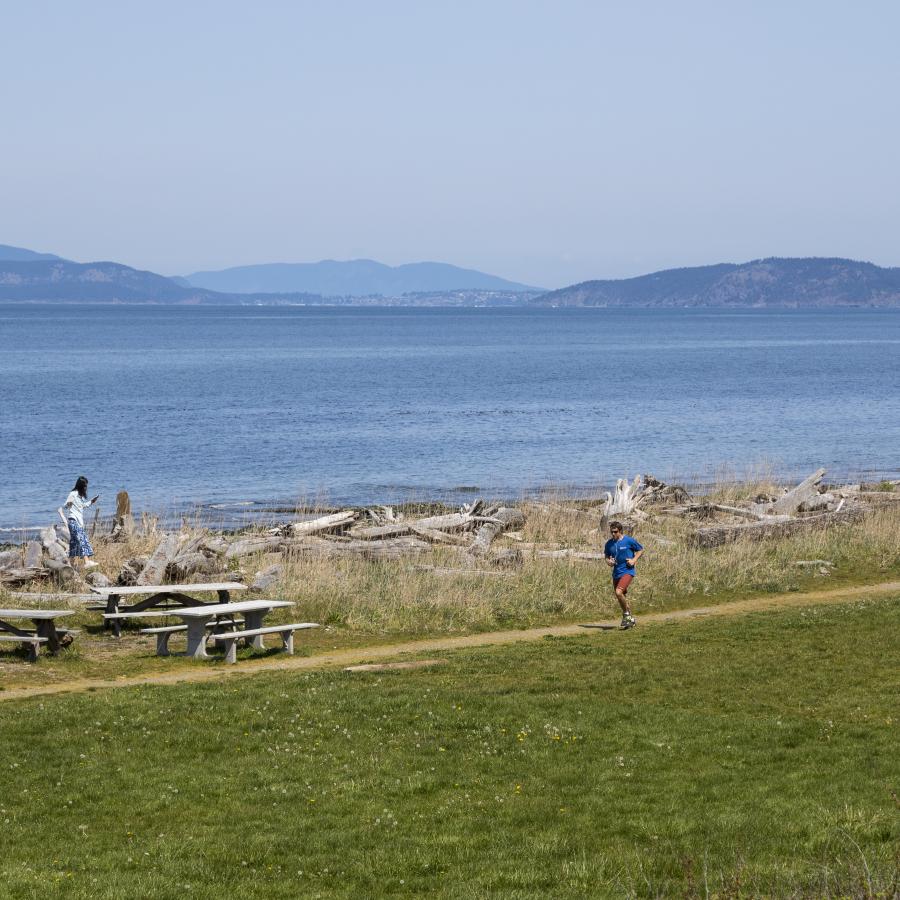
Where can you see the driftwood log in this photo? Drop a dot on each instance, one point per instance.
(34, 553)
(123, 523)
(10, 559)
(626, 499)
(155, 569)
(457, 521)
(742, 513)
(760, 531)
(392, 548)
(191, 563)
(18, 576)
(255, 544)
(440, 537)
(267, 578)
(797, 496)
(331, 522)
(506, 518)
(588, 555)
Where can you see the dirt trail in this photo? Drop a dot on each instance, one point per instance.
(358, 655)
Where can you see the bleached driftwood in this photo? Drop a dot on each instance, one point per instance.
(191, 563)
(807, 489)
(505, 518)
(818, 502)
(255, 544)
(383, 515)
(331, 522)
(758, 531)
(53, 544)
(156, 566)
(379, 532)
(20, 576)
(267, 578)
(626, 499)
(457, 521)
(123, 523)
(739, 511)
(394, 548)
(214, 544)
(10, 559)
(34, 552)
(656, 491)
(589, 555)
(440, 537)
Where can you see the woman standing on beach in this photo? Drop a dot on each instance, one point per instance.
(76, 503)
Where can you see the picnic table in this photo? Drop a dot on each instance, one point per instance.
(199, 618)
(45, 631)
(159, 595)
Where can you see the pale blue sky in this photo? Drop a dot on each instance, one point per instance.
(549, 142)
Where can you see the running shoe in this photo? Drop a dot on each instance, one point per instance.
(628, 621)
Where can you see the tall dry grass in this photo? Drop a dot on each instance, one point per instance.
(398, 597)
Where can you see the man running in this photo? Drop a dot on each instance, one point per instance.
(622, 551)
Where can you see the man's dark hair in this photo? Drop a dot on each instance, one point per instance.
(618, 526)
(81, 485)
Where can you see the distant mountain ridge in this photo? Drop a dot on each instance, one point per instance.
(774, 282)
(96, 282)
(26, 276)
(351, 278)
(20, 254)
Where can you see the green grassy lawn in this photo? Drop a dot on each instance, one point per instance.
(749, 756)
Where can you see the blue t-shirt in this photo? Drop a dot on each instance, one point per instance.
(622, 549)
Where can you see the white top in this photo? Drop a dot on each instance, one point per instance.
(74, 507)
(210, 611)
(168, 588)
(35, 613)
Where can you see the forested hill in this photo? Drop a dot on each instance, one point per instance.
(20, 254)
(790, 283)
(60, 281)
(96, 282)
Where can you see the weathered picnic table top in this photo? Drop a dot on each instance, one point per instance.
(167, 588)
(35, 613)
(204, 612)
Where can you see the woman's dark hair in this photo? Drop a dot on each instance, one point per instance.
(81, 485)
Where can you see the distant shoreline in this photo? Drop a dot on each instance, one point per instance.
(229, 515)
(511, 307)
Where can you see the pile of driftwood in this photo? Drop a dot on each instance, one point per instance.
(810, 505)
(467, 535)
(42, 558)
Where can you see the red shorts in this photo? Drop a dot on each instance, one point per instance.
(622, 582)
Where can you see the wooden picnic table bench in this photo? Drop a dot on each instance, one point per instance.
(158, 595)
(164, 632)
(198, 618)
(45, 630)
(285, 631)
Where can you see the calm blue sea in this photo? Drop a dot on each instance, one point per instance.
(260, 405)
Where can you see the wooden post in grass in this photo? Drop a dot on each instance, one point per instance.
(123, 524)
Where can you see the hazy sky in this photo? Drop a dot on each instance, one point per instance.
(549, 142)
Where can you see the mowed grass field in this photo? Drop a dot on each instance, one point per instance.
(748, 756)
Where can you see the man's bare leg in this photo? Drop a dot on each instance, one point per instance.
(622, 597)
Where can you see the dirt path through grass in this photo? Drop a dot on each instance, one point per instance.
(357, 655)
